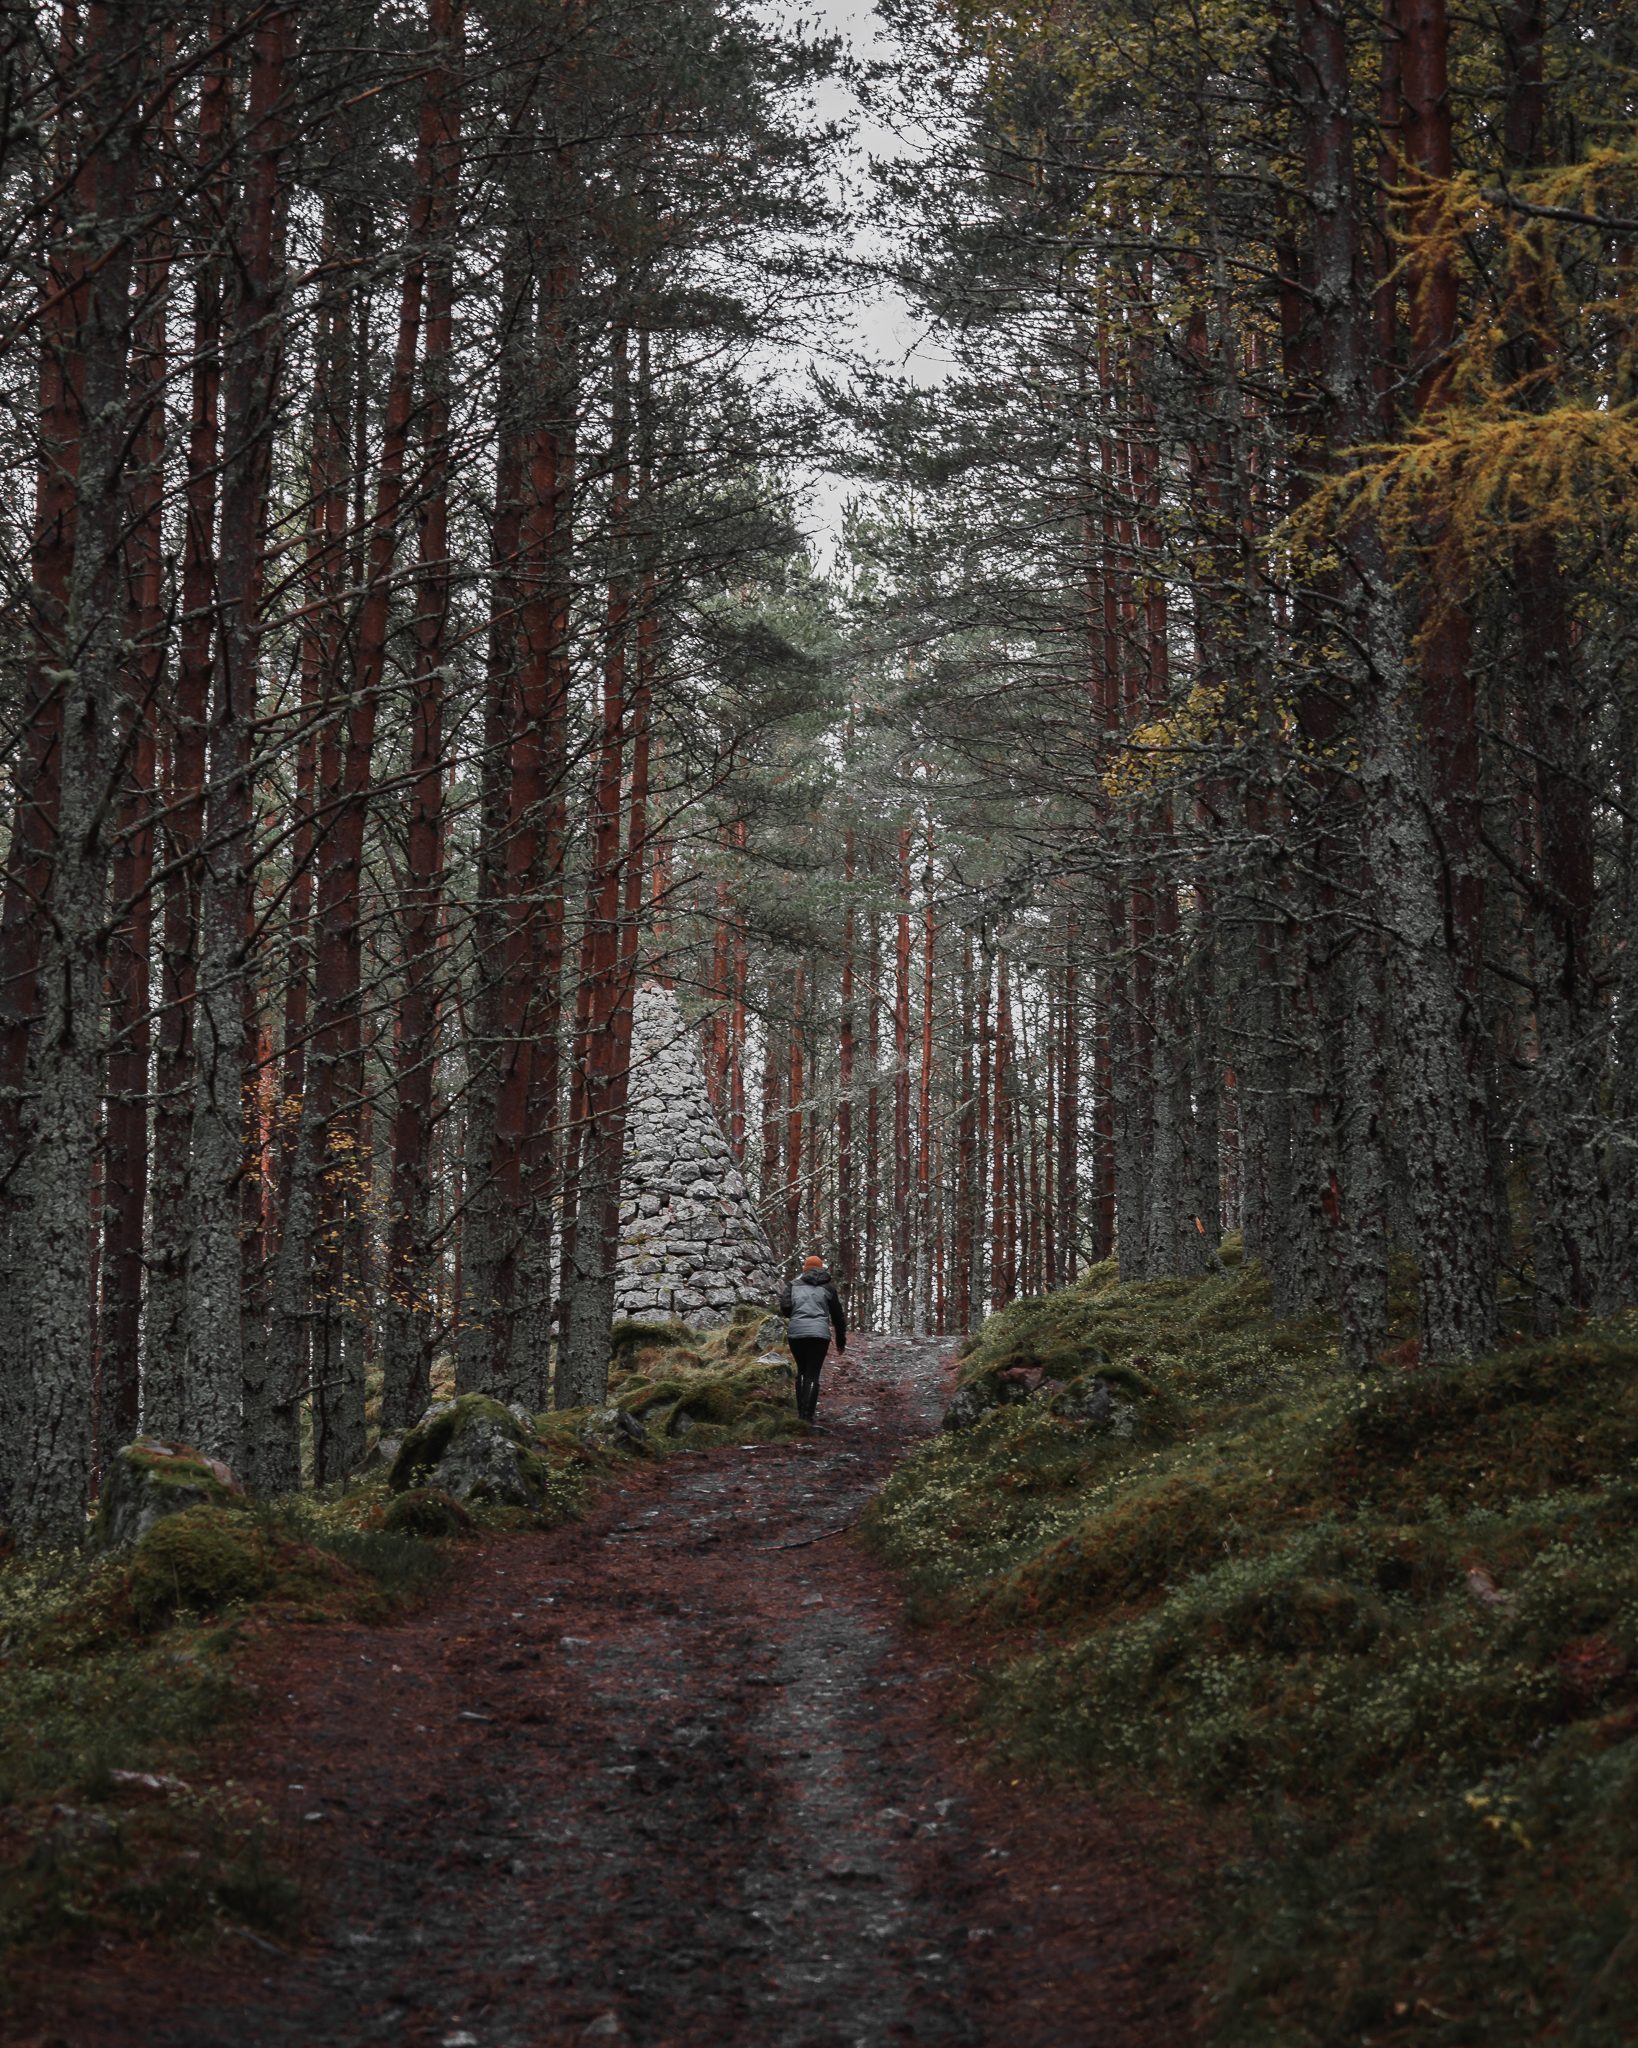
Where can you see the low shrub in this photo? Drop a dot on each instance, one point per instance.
(426, 1511)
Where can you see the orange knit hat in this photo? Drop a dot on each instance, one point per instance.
(812, 1259)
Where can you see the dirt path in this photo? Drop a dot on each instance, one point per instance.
(676, 1778)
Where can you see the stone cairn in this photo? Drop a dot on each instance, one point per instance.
(692, 1245)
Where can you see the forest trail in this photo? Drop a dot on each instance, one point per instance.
(674, 1775)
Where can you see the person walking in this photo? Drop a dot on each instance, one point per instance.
(811, 1308)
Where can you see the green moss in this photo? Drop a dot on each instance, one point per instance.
(642, 1395)
(1291, 1608)
(425, 1445)
(715, 1400)
(426, 1511)
(201, 1561)
(637, 1339)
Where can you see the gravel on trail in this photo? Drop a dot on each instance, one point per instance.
(678, 1776)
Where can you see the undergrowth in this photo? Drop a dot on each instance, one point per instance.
(117, 1673)
(698, 1389)
(1388, 1625)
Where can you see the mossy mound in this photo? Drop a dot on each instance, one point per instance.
(426, 1511)
(1065, 1350)
(1391, 1622)
(636, 1343)
(703, 1388)
(151, 1479)
(1055, 1335)
(201, 1561)
(117, 1670)
(211, 1560)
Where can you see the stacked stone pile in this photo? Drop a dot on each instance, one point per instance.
(691, 1243)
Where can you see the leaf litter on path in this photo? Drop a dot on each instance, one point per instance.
(697, 1788)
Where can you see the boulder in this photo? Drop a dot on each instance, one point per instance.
(1093, 1402)
(476, 1450)
(151, 1479)
(613, 1429)
(978, 1397)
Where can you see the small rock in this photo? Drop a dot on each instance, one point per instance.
(975, 1399)
(1093, 1402)
(613, 1429)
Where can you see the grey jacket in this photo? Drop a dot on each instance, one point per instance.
(811, 1306)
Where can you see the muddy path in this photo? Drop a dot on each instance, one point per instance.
(676, 1777)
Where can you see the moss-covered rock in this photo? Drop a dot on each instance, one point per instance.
(152, 1479)
(977, 1397)
(716, 1401)
(613, 1429)
(1058, 1336)
(477, 1450)
(426, 1511)
(201, 1560)
(1093, 1402)
(638, 1342)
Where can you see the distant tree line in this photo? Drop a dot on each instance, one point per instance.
(1265, 562)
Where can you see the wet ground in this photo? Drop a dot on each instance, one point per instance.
(677, 1777)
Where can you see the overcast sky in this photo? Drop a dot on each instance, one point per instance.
(879, 322)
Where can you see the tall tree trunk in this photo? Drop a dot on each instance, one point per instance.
(483, 1225)
(795, 1105)
(846, 1243)
(1571, 1224)
(46, 1355)
(1069, 1112)
(924, 1097)
(164, 1376)
(1434, 1092)
(873, 1120)
(326, 1234)
(966, 1180)
(215, 1392)
(125, 1174)
(901, 1313)
(605, 1042)
(406, 1347)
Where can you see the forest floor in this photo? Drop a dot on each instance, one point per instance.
(677, 1774)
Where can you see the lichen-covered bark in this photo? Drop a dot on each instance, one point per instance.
(46, 1355)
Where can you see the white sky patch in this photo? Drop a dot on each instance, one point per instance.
(874, 321)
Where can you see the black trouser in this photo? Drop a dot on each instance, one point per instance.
(809, 1353)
